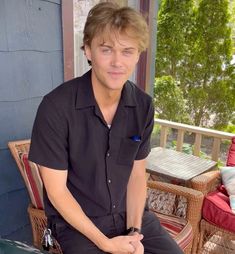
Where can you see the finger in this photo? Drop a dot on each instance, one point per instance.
(136, 237)
(131, 248)
(139, 248)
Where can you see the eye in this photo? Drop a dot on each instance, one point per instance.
(106, 50)
(127, 52)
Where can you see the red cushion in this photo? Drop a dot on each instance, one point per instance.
(179, 228)
(221, 188)
(33, 181)
(216, 209)
(231, 154)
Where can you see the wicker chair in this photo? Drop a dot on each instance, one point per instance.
(204, 183)
(37, 216)
(194, 201)
(217, 231)
(183, 237)
(213, 239)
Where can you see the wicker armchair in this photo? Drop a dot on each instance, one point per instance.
(185, 226)
(203, 183)
(206, 182)
(194, 200)
(213, 238)
(217, 227)
(37, 216)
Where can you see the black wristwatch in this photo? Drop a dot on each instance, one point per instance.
(132, 230)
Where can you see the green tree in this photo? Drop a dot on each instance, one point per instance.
(168, 100)
(210, 68)
(202, 57)
(174, 28)
(232, 21)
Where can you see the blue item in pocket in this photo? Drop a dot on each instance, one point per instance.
(136, 138)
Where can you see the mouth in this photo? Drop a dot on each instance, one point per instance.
(116, 74)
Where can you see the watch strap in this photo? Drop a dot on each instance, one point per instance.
(132, 230)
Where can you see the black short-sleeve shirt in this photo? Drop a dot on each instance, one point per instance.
(71, 134)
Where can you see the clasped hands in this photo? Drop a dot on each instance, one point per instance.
(130, 244)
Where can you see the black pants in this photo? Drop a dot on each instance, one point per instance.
(156, 239)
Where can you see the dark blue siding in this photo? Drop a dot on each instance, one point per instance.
(31, 61)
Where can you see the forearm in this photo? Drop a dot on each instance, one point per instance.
(72, 212)
(62, 199)
(136, 198)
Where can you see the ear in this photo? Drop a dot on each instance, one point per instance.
(87, 51)
(138, 57)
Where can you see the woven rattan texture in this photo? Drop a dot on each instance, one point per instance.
(215, 240)
(37, 217)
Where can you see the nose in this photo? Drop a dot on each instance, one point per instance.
(116, 60)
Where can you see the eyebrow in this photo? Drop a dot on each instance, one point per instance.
(128, 48)
(103, 45)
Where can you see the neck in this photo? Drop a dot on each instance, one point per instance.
(106, 97)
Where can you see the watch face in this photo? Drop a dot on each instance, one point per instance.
(132, 230)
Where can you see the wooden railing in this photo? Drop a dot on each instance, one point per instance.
(217, 136)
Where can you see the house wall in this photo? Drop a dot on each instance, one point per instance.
(31, 65)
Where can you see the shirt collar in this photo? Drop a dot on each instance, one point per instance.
(128, 95)
(85, 96)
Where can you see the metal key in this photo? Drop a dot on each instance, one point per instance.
(47, 240)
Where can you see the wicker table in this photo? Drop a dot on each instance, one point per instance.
(176, 167)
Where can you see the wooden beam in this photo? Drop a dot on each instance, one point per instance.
(141, 67)
(68, 38)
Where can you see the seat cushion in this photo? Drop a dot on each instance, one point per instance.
(33, 181)
(228, 179)
(216, 210)
(167, 203)
(179, 228)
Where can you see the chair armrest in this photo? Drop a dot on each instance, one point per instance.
(206, 182)
(38, 221)
(194, 200)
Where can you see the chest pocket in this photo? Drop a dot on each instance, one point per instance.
(127, 152)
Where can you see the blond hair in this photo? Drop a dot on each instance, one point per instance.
(107, 17)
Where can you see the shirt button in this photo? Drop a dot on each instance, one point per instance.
(108, 154)
(109, 181)
(114, 206)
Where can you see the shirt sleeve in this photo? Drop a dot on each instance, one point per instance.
(145, 148)
(49, 146)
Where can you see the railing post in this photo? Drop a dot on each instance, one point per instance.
(216, 149)
(163, 136)
(180, 140)
(197, 144)
(199, 132)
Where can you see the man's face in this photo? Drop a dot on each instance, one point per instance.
(113, 60)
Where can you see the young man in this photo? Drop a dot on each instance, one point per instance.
(91, 137)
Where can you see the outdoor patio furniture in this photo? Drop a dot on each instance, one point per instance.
(217, 228)
(29, 172)
(178, 168)
(177, 218)
(179, 202)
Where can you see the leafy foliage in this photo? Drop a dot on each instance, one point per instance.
(194, 46)
(165, 89)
